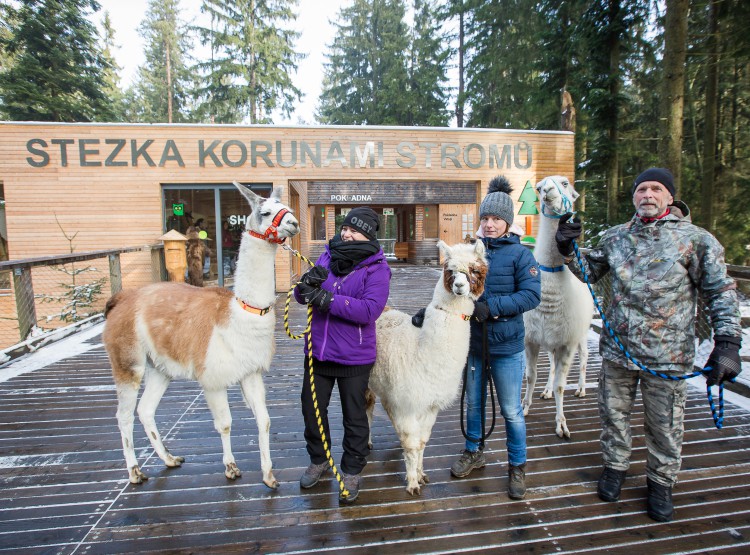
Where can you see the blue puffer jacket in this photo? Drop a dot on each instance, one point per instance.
(513, 286)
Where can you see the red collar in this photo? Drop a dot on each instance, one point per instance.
(272, 233)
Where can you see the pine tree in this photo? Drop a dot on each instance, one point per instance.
(58, 68)
(111, 83)
(366, 78)
(428, 97)
(162, 90)
(252, 60)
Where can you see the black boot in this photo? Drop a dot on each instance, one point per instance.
(610, 484)
(659, 505)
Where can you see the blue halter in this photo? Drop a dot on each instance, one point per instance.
(567, 205)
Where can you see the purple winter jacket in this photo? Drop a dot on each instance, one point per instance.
(346, 333)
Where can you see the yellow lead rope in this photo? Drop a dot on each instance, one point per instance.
(308, 331)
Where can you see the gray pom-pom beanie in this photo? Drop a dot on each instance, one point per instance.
(498, 202)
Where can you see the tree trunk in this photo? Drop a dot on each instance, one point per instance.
(613, 177)
(709, 139)
(460, 100)
(673, 95)
(169, 86)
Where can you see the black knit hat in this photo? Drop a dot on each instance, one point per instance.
(365, 220)
(662, 175)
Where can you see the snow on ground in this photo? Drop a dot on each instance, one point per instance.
(68, 347)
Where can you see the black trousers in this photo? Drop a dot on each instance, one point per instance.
(356, 429)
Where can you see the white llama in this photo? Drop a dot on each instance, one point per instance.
(560, 323)
(215, 336)
(418, 370)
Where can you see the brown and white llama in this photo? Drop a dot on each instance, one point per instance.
(196, 255)
(213, 335)
(561, 322)
(418, 371)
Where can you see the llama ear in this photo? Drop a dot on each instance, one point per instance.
(246, 192)
(276, 193)
(479, 249)
(444, 249)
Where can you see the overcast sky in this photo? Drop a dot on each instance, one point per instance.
(312, 21)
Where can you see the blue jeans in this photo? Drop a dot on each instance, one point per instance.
(507, 373)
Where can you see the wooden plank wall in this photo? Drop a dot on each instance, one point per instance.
(113, 199)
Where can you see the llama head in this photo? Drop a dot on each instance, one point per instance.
(270, 219)
(556, 195)
(464, 269)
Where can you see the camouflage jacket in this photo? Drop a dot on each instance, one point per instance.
(657, 270)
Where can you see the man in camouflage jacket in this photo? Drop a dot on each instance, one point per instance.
(658, 263)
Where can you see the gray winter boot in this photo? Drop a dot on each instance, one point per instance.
(517, 481)
(312, 475)
(469, 461)
(351, 483)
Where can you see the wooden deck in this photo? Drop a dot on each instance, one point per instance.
(64, 487)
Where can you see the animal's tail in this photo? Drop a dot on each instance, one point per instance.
(112, 303)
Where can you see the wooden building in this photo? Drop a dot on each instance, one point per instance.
(116, 185)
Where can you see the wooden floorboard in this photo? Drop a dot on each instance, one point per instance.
(64, 489)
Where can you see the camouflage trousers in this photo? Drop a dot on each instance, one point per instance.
(664, 407)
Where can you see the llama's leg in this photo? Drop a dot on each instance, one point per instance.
(428, 421)
(409, 433)
(549, 388)
(155, 386)
(254, 392)
(563, 360)
(217, 402)
(532, 356)
(127, 398)
(583, 358)
(370, 407)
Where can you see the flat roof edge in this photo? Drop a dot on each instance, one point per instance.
(285, 126)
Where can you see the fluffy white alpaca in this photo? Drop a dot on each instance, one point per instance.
(560, 323)
(212, 335)
(418, 370)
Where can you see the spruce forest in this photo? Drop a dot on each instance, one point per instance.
(641, 83)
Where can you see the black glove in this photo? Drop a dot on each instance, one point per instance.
(568, 229)
(481, 312)
(418, 319)
(724, 360)
(321, 299)
(315, 276)
(307, 291)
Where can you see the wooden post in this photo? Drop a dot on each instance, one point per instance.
(115, 273)
(25, 306)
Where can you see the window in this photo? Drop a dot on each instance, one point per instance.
(318, 219)
(431, 221)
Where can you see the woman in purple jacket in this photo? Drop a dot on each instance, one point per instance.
(348, 288)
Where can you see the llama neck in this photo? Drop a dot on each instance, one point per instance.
(545, 251)
(254, 276)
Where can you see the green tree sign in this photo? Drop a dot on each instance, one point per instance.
(528, 200)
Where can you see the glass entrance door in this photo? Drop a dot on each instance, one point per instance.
(218, 209)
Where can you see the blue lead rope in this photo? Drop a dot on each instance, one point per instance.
(718, 418)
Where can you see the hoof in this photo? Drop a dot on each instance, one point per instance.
(137, 476)
(424, 479)
(369, 445)
(174, 462)
(526, 410)
(273, 484)
(563, 434)
(416, 490)
(580, 393)
(545, 395)
(232, 472)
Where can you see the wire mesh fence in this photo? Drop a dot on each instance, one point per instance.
(41, 295)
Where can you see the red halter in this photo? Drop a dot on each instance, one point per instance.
(272, 233)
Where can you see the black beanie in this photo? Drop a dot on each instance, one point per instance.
(363, 219)
(662, 175)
